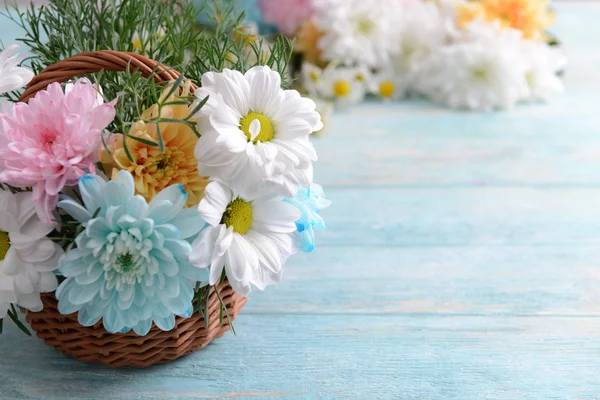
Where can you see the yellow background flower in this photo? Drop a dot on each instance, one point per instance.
(532, 17)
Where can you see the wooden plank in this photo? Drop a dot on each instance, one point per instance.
(340, 357)
(460, 216)
(444, 281)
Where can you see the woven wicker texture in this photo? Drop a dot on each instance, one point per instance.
(94, 61)
(95, 344)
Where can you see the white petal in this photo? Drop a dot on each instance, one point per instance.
(254, 129)
(275, 216)
(202, 248)
(216, 198)
(241, 260)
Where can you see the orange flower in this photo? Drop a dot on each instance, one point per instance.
(306, 43)
(152, 169)
(532, 17)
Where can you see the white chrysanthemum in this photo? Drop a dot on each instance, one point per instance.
(422, 33)
(344, 85)
(544, 63)
(357, 31)
(484, 71)
(12, 77)
(255, 136)
(27, 257)
(250, 238)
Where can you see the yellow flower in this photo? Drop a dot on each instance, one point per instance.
(152, 169)
(307, 43)
(532, 17)
(141, 42)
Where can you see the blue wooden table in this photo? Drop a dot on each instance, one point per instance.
(462, 261)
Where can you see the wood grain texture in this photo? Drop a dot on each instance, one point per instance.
(462, 261)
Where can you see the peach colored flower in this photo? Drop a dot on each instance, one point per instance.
(532, 17)
(307, 43)
(152, 169)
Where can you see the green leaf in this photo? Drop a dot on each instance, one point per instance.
(15, 318)
(142, 140)
(197, 108)
(223, 307)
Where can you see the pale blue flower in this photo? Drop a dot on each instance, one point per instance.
(131, 264)
(309, 201)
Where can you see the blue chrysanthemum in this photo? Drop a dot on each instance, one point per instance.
(309, 201)
(131, 264)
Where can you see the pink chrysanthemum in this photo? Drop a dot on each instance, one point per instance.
(286, 15)
(53, 140)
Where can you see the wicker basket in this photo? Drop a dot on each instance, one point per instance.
(95, 344)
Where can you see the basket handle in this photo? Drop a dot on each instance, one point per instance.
(95, 61)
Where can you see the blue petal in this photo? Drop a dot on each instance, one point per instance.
(125, 179)
(143, 327)
(91, 187)
(308, 241)
(115, 194)
(97, 228)
(189, 222)
(86, 317)
(167, 204)
(165, 323)
(111, 320)
(75, 210)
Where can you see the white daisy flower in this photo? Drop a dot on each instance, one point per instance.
(311, 78)
(357, 31)
(543, 66)
(12, 77)
(27, 257)
(255, 136)
(484, 71)
(344, 85)
(422, 33)
(388, 85)
(251, 238)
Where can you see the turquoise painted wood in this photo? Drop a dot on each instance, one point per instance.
(462, 261)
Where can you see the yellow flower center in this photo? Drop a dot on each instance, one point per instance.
(265, 129)
(239, 215)
(365, 25)
(164, 161)
(4, 244)
(480, 73)
(531, 79)
(387, 89)
(314, 76)
(341, 88)
(360, 77)
(137, 43)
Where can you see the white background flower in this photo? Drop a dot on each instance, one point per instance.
(250, 238)
(543, 65)
(483, 71)
(12, 77)
(421, 34)
(27, 257)
(255, 136)
(358, 31)
(344, 85)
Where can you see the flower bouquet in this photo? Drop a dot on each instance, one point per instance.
(138, 204)
(477, 55)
